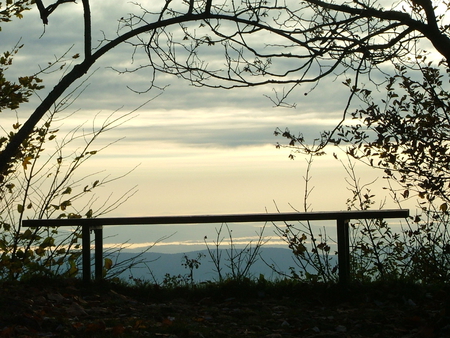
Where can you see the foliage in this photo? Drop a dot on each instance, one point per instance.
(237, 260)
(406, 136)
(312, 252)
(43, 184)
(192, 264)
(40, 181)
(374, 245)
(12, 94)
(12, 9)
(417, 250)
(316, 264)
(114, 265)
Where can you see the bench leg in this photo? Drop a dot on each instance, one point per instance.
(343, 251)
(98, 232)
(86, 252)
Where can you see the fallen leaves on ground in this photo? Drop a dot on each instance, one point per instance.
(72, 309)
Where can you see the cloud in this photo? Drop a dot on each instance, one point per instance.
(108, 89)
(161, 246)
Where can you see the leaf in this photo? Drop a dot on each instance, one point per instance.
(20, 208)
(443, 207)
(48, 242)
(96, 327)
(73, 269)
(26, 162)
(65, 204)
(67, 191)
(89, 213)
(168, 321)
(118, 330)
(108, 263)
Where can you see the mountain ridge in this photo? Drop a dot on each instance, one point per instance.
(156, 266)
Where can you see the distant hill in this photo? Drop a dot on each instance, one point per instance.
(159, 264)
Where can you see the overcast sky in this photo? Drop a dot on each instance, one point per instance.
(198, 150)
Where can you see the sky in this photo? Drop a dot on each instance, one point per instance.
(191, 150)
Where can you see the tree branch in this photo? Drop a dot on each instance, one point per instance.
(46, 11)
(42, 11)
(87, 29)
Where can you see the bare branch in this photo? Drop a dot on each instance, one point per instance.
(46, 11)
(87, 29)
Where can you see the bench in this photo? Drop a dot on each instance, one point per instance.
(342, 219)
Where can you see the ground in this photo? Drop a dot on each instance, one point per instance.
(74, 309)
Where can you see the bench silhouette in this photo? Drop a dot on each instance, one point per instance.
(342, 219)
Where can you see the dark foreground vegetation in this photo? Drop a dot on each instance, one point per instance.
(250, 308)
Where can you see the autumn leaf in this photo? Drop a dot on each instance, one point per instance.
(67, 191)
(73, 269)
(405, 194)
(89, 213)
(96, 327)
(108, 263)
(139, 324)
(118, 330)
(77, 325)
(168, 321)
(199, 319)
(65, 204)
(26, 162)
(10, 187)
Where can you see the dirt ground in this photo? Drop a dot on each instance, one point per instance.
(73, 309)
